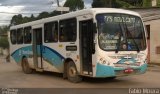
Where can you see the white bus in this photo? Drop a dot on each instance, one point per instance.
(96, 42)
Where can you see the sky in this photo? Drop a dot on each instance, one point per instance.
(8, 8)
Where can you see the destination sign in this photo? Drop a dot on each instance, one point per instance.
(119, 19)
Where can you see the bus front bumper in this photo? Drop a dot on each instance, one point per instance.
(109, 71)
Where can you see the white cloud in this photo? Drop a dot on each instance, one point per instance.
(29, 6)
(11, 9)
(6, 13)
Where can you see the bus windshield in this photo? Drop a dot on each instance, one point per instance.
(119, 32)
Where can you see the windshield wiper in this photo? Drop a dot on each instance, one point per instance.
(119, 40)
(138, 49)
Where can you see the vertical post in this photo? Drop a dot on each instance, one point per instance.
(58, 3)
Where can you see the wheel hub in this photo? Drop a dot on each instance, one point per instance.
(72, 71)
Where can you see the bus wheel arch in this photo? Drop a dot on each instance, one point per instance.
(25, 65)
(70, 71)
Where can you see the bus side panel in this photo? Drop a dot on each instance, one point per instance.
(25, 51)
(52, 59)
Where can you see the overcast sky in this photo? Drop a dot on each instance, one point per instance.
(9, 7)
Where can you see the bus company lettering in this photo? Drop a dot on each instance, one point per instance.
(23, 52)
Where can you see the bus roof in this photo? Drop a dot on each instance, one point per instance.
(75, 14)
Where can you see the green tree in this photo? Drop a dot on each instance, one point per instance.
(3, 37)
(17, 19)
(102, 3)
(158, 3)
(111, 3)
(147, 3)
(26, 19)
(43, 15)
(97, 3)
(32, 18)
(74, 4)
(123, 4)
(3, 30)
(136, 3)
(54, 13)
(4, 42)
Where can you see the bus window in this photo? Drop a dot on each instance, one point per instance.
(51, 32)
(27, 35)
(20, 36)
(67, 31)
(13, 35)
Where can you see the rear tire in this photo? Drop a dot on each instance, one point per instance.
(72, 73)
(25, 66)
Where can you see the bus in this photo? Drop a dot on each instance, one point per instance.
(96, 42)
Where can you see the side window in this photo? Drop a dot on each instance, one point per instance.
(27, 35)
(51, 32)
(20, 36)
(68, 30)
(13, 36)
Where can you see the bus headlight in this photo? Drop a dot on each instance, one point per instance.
(103, 61)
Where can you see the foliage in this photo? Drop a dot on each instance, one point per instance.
(3, 30)
(3, 39)
(111, 3)
(136, 3)
(4, 42)
(158, 3)
(123, 4)
(74, 4)
(43, 15)
(147, 3)
(102, 3)
(97, 3)
(19, 19)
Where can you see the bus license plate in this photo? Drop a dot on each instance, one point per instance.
(128, 71)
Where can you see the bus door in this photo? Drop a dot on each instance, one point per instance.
(86, 39)
(37, 48)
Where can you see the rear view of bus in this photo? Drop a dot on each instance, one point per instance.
(121, 44)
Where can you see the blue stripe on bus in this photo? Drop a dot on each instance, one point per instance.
(24, 51)
(53, 57)
(49, 55)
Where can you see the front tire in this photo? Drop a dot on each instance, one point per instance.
(25, 66)
(72, 73)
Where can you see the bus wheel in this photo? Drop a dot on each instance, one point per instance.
(72, 74)
(25, 66)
